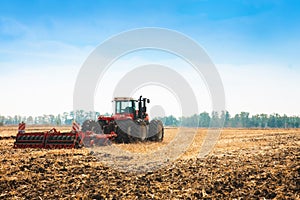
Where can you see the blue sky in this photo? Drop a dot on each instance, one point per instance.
(242, 38)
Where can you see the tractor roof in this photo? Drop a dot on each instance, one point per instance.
(123, 99)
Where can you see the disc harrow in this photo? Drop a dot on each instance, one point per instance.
(54, 139)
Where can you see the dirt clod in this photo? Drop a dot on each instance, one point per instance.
(254, 165)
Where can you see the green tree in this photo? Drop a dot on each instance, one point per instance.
(215, 120)
(244, 116)
(236, 122)
(264, 120)
(30, 120)
(58, 120)
(171, 121)
(204, 119)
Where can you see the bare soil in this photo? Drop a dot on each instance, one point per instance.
(245, 164)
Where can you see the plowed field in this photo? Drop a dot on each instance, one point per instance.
(245, 164)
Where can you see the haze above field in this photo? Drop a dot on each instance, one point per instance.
(255, 46)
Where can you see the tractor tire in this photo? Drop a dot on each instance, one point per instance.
(121, 129)
(122, 136)
(156, 131)
(143, 131)
(129, 131)
(91, 125)
(137, 131)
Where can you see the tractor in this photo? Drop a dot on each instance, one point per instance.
(131, 124)
(127, 125)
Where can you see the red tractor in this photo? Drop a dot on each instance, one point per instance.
(130, 124)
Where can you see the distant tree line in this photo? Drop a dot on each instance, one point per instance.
(65, 118)
(204, 119)
(242, 120)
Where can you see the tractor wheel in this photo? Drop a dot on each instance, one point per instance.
(143, 131)
(131, 138)
(156, 131)
(122, 136)
(138, 131)
(91, 125)
(122, 128)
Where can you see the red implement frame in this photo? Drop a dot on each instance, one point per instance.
(54, 139)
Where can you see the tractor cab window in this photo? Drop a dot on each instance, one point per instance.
(124, 106)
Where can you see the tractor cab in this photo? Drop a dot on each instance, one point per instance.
(125, 108)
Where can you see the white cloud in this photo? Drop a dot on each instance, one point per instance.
(36, 92)
(159, 95)
(39, 78)
(13, 28)
(261, 89)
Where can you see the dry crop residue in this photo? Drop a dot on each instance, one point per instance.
(248, 164)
